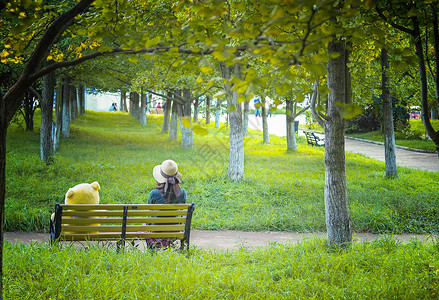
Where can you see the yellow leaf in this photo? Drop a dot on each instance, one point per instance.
(199, 80)
(200, 130)
(186, 122)
(133, 59)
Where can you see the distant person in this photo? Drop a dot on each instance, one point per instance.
(113, 107)
(158, 105)
(258, 110)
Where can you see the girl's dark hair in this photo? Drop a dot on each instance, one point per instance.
(166, 195)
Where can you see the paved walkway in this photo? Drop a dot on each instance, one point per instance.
(226, 240)
(404, 157)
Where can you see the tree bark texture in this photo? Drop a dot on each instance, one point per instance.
(46, 142)
(81, 100)
(167, 115)
(196, 105)
(245, 115)
(123, 101)
(208, 100)
(4, 123)
(389, 134)
(134, 105)
(187, 141)
(217, 114)
(73, 103)
(142, 115)
(66, 108)
(173, 132)
(290, 118)
(338, 221)
(235, 169)
(57, 127)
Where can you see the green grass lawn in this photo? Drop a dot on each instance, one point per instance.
(383, 269)
(281, 191)
(415, 125)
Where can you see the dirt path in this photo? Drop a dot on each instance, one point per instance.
(228, 239)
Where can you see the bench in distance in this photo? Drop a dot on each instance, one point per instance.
(314, 140)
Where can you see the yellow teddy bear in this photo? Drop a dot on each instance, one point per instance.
(84, 193)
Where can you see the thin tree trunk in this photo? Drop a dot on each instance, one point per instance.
(58, 115)
(290, 118)
(389, 135)
(4, 122)
(265, 133)
(81, 100)
(173, 132)
(73, 103)
(208, 98)
(167, 114)
(338, 221)
(66, 108)
(46, 143)
(246, 113)
(142, 115)
(123, 100)
(218, 114)
(433, 134)
(196, 104)
(187, 141)
(235, 169)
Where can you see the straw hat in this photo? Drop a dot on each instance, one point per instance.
(168, 167)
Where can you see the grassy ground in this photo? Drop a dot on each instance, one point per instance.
(383, 269)
(415, 139)
(281, 191)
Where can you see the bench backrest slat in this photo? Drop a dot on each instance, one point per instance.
(129, 228)
(115, 236)
(87, 221)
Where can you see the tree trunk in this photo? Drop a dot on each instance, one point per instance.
(66, 108)
(134, 105)
(142, 115)
(73, 103)
(265, 133)
(208, 110)
(81, 100)
(174, 122)
(291, 133)
(246, 113)
(123, 100)
(433, 134)
(217, 114)
(4, 122)
(167, 114)
(196, 104)
(58, 115)
(235, 168)
(46, 143)
(338, 221)
(389, 135)
(187, 141)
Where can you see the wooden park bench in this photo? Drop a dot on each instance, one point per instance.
(314, 140)
(122, 222)
(156, 111)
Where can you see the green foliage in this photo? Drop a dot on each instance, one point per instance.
(383, 269)
(282, 191)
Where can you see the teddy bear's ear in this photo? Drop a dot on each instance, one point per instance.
(95, 185)
(70, 193)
